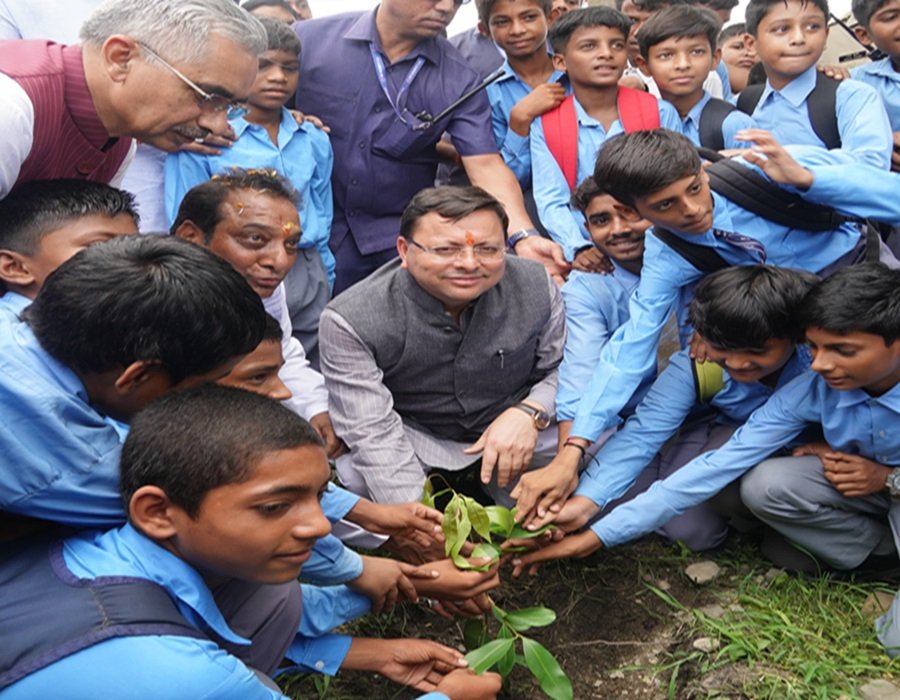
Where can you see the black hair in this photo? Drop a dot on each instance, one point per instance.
(637, 164)
(730, 31)
(719, 4)
(679, 22)
(597, 16)
(280, 35)
(486, 7)
(757, 74)
(757, 9)
(251, 5)
(739, 308)
(34, 209)
(154, 298)
(862, 298)
(272, 331)
(190, 442)
(452, 203)
(585, 193)
(202, 204)
(864, 9)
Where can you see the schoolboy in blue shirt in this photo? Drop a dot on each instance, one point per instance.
(748, 318)
(580, 39)
(220, 485)
(269, 137)
(530, 85)
(597, 304)
(678, 48)
(833, 500)
(789, 38)
(45, 222)
(881, 21)
(658, 173)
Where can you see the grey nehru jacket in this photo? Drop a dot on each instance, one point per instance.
(397, 367)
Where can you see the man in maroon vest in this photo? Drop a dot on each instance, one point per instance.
(166, 72)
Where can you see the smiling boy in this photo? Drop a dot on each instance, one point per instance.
(789, 38)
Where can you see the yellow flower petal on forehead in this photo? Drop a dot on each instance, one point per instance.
(289, 227)
(470, 238)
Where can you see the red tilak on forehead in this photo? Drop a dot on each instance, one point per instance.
(470, 238)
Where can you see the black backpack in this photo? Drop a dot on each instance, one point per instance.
(820, 106)
(711, 119)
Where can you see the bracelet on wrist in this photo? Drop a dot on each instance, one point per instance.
(580, 448)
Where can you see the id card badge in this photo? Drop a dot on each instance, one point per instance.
(406, 137)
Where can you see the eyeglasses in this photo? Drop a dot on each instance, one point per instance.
(208, 102)
(453, 252)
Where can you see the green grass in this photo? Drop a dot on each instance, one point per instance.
(788, 637)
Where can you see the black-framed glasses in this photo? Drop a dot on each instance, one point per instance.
(482, 251)
(208, 101)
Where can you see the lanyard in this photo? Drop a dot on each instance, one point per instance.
(381, 72)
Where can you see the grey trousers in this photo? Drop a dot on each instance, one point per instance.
(269, 616)
(793, 496)
(307, 293)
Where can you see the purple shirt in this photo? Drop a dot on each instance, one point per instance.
(339, 84)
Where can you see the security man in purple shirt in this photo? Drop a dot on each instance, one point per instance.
(378, 79)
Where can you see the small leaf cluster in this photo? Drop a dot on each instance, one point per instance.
(501, 655)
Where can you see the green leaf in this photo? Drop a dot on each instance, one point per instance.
(465, 565)
(428, 493)
(499, 613)
(486, 549)
(484, 657)
(501, 520)
(526, 618)
(478, 517)
(474, 633)
(505, 665)
(547, 670)
(456, 526)
(519, 532)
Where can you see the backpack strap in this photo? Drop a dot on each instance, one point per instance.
(560, 127)
(702, 257)
(750, 190)
(638, 110)
(709, 380)
(821, 106)
(749, 98)
(711, 120)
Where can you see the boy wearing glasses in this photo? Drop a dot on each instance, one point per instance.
(446, 357)
(269, 137)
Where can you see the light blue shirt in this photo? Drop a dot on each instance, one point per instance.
(722, 72)
(857, 190)
(852, 421)
(66, 454)
(504, 94)
(632, 350)
(734, 122)
(303, 155)
(882, 76)
(13, 303)
(671, 399)
(862, 120)
(595, 306)
(169, 666)
(551, 191)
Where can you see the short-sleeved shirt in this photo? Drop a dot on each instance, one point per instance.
(379, 162)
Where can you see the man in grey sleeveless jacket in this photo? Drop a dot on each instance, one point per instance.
(446, 356)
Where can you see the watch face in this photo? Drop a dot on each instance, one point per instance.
(893, 483)
(541, 420)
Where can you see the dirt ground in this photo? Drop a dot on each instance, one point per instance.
(609, 621)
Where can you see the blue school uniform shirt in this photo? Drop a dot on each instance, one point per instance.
(882, 76)
(504, 94)
(862, 120)
(665, 274)
(857, 190)
(595, 306)
(303, 155)
(722, 71)
(551, 191)
(734, 122)
(170, 666)
(671, 399)
(338, 83)
(66, 454)
(852, 421)
(13, 303)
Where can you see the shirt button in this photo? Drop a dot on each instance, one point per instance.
(881, 434)
(378, 109)
(354, 181)
(320, 665)
(84, 169)
(362, 144)
(352, 212)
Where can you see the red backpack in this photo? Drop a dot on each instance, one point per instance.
(638, 110)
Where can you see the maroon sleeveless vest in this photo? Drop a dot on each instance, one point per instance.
(69, 139)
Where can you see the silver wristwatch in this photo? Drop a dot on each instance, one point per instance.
(893, 483)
